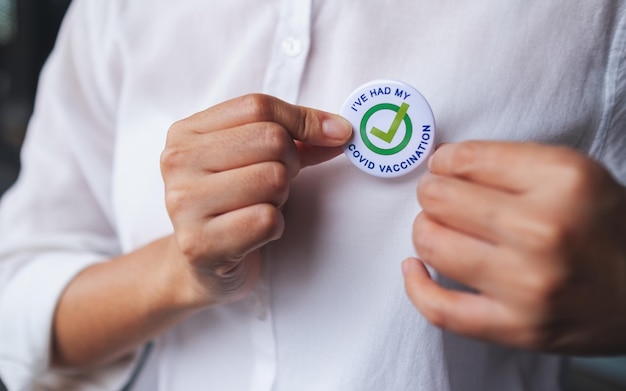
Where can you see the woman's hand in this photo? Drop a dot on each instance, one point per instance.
(227, 172)
(539, 232)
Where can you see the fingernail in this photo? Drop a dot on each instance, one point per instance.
(337, 128)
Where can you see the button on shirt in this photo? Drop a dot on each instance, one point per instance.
(330, 312)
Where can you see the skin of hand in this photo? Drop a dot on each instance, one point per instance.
(226, 172)
(539, 235)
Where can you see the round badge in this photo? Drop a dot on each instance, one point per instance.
(393, 128)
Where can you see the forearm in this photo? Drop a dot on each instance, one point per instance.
(111, 308)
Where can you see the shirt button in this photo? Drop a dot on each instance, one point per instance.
(259, 308)
(261, 313)
(291, 46)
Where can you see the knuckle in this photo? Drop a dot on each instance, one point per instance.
(575, 173)
(267, 223)
(543, 288)
(305, 123)
(549, 286)
(176, 128)
(175, 152)
(189, 245)
(428, 191)
(267, 219)
(565, 156)
(553, 236)
(276, 178)
(576, 178)
(422, 232)
(545, 236)
(180, 148)
(260, 225)
(275, 138)
(171, 158)
(259, 106)
(175, 200)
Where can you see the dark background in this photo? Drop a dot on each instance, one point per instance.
(28, 29)
(27, 32)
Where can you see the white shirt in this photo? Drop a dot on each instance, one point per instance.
(330, 312)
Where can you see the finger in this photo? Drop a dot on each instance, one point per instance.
(260, 183)
(311, 155)
(476, 210)
(304, 124)
(460, 257)
(244, 145)
(513, 167)
(468, 314)
(231, 236)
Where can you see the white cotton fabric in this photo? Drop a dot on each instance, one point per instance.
(330, 312)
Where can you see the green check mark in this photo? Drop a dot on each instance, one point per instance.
(390, 134)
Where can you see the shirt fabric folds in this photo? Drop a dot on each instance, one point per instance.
(330, 312)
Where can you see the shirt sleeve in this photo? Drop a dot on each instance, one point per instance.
(58, 218)
(613, 147)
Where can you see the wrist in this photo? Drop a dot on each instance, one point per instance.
(113, 307)
(182, 289)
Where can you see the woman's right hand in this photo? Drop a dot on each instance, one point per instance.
(227, 172)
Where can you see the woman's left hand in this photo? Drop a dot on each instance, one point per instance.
(538, 232)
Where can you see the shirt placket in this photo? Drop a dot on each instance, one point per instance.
(289, 50)
(283, 78)
(263, 338)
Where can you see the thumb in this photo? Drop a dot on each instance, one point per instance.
(318, 134)
(311, 155)
(335, 129)
(310, 126)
